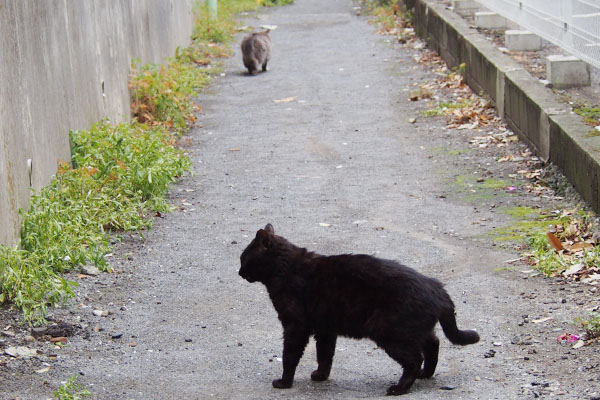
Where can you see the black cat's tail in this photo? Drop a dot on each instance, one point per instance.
(455, 335)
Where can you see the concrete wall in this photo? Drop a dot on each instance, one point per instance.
(530, 109)
(64, 65)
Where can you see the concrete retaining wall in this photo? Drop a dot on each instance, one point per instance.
(64, 65)
(530, 109)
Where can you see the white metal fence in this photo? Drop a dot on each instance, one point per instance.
(573, 25)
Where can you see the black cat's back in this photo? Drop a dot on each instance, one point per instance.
(373, 294)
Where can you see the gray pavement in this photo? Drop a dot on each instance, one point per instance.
(337, 169)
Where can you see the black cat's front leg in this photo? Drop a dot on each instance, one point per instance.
(294, 342)
(325, 351)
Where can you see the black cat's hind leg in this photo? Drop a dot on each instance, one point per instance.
(431, 349)
(264, 66)
(410, 358)
(325, 351)
(294, 342)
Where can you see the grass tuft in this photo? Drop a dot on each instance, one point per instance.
(71, 390)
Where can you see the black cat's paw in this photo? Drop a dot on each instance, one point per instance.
(396, 390)
(281, 384)
(318, 376)
(425, 374)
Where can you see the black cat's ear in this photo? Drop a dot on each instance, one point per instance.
(263, 237)
(269, 228)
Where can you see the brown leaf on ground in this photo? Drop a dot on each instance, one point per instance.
(554, 241)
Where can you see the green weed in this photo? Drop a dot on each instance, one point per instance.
(71, 390)
(271, 3)
(446, 108)
(163, 93)
(223, 28)
(530, 226)
(591, 115)
(390, 15)
(119, 174)
(591, 325)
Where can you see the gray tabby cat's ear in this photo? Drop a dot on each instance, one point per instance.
(269, 228)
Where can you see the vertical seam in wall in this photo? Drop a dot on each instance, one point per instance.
(500, 82)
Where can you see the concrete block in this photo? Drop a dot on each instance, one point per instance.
(490, 20)
(567, 71)
(465, 6)
(522, 41)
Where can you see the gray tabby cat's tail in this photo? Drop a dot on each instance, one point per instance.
(455, 335)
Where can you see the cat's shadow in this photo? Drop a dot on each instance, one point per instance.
(371, 388)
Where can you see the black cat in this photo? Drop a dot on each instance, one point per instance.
(357, 296)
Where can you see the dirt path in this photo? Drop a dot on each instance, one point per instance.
(337, 168)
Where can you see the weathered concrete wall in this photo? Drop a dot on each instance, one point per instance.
(530, 109)
(64, 65)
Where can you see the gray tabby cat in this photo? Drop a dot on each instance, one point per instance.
(256, 50)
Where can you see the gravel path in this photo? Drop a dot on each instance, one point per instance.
(335, 167)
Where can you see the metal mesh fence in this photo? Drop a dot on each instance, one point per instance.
(573, 25)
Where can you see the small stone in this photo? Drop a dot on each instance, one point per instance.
(90, 270)
(60, 329)
(132, 344)
(490, 354)
(60, 339)
(578, 345)
(20, 351)
(100, 313)
(29, 338)
(116, 335)
(188, 340)
(447, 387)
(38, 331)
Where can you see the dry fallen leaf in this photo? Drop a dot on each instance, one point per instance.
(554, 241)
(539, 321)
(580, 246)
(286, 100)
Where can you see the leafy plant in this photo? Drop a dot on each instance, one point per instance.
(591, 325)
(271, 3)
(446, 108)
(163, 93)
(71, 390)
(591, 115)
(119, 174)
(202, 53)
(389, 15)
(222, 28)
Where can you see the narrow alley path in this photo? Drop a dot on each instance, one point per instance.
(321, 147)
